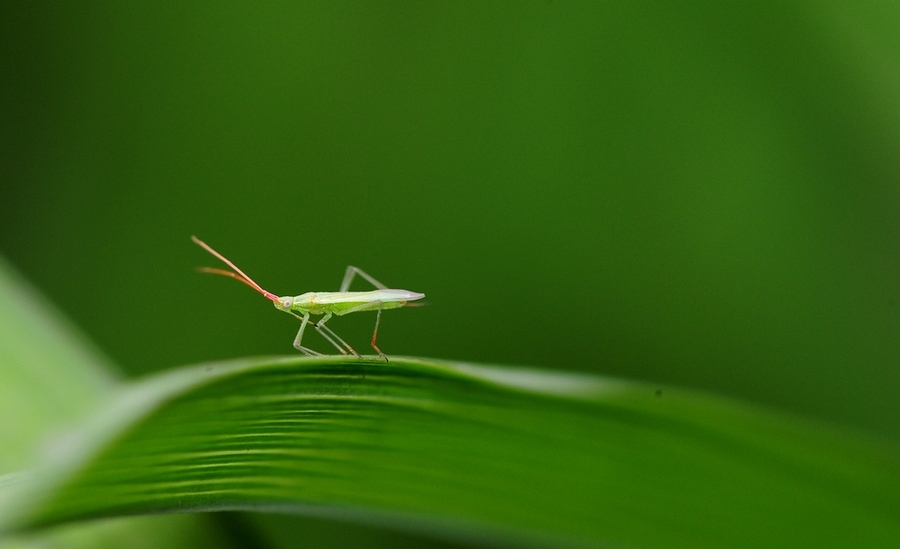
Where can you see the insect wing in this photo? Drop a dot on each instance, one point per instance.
(385, 296)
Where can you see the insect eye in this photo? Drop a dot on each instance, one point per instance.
(286, 303)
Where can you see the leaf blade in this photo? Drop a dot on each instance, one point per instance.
(468, 450)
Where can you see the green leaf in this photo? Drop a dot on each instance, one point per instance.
(470, 451)
(49, 374)
(50, 378)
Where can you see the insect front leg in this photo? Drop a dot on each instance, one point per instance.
(353, 271)
(328, 334)
(297, 340)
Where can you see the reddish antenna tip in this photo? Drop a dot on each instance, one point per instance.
(237, 274)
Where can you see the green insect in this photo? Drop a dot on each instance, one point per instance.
(325, 303)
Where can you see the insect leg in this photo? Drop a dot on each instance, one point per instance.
(321, 324)
(353, 271)
(368, 307)
(375, 334)
(329, 334)
(297, 340)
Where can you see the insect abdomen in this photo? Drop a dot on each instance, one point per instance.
(339, 303)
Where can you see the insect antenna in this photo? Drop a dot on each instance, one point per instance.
(237, 275)
(223, 272)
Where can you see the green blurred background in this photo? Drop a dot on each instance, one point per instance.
(698, 194)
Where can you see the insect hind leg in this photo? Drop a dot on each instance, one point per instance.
(375, 335)
(368, 307)
(353, 271)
